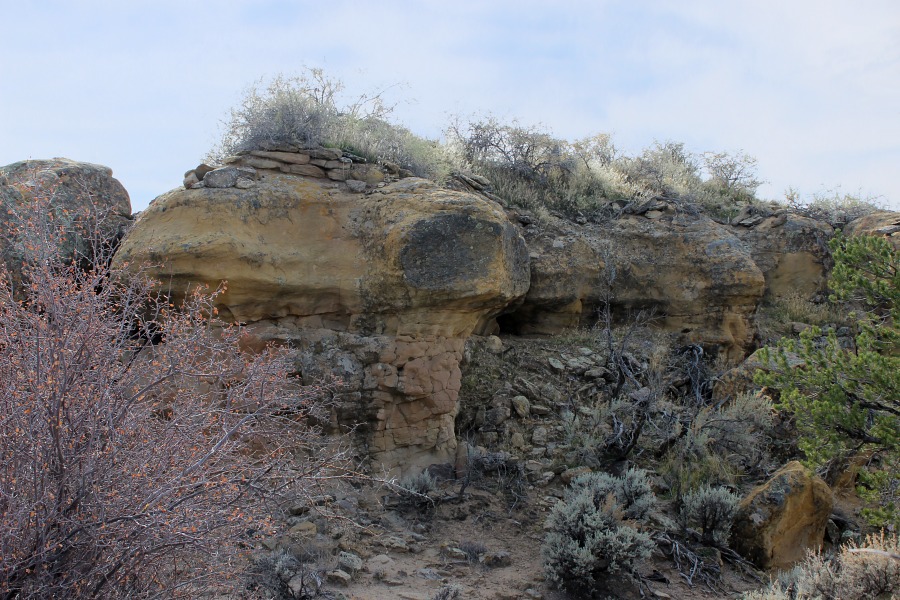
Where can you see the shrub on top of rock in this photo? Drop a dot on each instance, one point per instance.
(308, 110)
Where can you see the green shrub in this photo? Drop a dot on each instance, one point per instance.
(594, 533)
(867, 572)
(448, 592)
(847, 400)
(711, 510)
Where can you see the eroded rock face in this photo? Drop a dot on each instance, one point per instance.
(791, 251)
(883, 223)
(694, 274)
(78, 193)
(380, 290)
(779, 521)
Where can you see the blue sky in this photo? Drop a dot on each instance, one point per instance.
(810, 88)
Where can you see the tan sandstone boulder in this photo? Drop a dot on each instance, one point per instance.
(779, 521)
(697, 278)
(884, 223)
(791, 250)
(379, 290)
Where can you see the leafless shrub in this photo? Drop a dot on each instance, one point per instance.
(733, 172)
(287, 576)
(834, 207)
(132, 469)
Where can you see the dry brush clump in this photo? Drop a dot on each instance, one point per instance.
(141, 451)
(870, 571)
(535, 170)
(311, 109)
(834, 207)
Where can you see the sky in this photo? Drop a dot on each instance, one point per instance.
(811, 88)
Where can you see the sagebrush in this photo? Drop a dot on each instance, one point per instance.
(595, 535)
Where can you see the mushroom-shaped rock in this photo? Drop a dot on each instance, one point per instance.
(380, 289)
(409, 259)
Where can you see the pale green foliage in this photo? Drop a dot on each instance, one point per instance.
(603, 430)
(534, 169)
(310, 110)
(868, 572)
(776, 315)
(847, 400)
(414, 491)
(594, 534)
(448, 592)
(733, 172)
(665, 169)
(711, 510)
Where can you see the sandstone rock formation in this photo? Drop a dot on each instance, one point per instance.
(739, 379)
(79, 195)
(791, 250)
(694, 274)
(779, 521)
(883, 223)
(379, 289)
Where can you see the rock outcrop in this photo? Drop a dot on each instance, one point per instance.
(791, 250)
(379, 289)
(84, 198)
(884, 223)
(780, 521)
(696, 277)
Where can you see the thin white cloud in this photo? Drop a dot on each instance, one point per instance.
(811, 88)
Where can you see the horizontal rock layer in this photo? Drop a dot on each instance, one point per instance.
(692, 275)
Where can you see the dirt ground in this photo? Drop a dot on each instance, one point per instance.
(482, 544)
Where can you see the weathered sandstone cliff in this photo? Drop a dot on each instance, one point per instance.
(791, 250)
(379, 289)
(692, 274)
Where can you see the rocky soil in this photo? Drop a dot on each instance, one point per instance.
(480, 529)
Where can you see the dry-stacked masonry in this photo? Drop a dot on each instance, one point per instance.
(242, 170)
